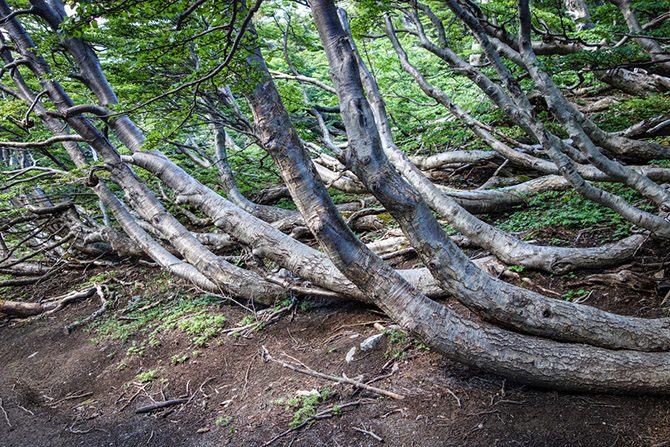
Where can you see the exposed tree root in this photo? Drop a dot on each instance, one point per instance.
(20, 309)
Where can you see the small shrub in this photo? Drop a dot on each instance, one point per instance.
(146, 376)
(572, 295)
(178, 359)
(223, 421)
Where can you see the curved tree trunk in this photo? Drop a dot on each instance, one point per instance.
(527, 358)
(494, 299)
(267, 213)
(532, 360)
(226, 276)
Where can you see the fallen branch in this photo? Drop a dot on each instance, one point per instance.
(341, 379)
(33, 280)
(159, 405)
(26, 309)
(56, 304)
(369, 433)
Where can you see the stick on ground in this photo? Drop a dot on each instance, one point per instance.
(341, 379)
(159, 405)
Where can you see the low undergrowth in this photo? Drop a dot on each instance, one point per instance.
(399, 342)
(632, 110)
(147, 321)
(198, 317)
(305, 405)
(571, 210)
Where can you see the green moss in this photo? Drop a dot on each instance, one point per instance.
(146, 376)
(178, 359)
(632, 110)
(570, 209)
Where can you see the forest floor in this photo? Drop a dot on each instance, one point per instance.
(161, 340)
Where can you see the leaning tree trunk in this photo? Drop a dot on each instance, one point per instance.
(530, 359)
(538, 361)
(225, 276)
(506, 247)
(651, 46)
(265, 240)
(496, 300)
(613, 143)
(521, 111)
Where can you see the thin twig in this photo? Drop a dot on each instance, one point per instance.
(342, 379)
(369, 433)
(5, 414)
(26, 410)
(366, 323)
(458, 400)
(246, 377)
(70, 397)
(71, 429)
(132, 398)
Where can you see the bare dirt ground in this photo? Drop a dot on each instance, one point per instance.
(66, 390)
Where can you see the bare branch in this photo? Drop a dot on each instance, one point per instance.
(38, 144)
(302, 78)
(342, 379)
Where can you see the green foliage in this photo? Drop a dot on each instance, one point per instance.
(202, 326)
(574, 295)
(399, 342)
(136, 349)
(246, 320)
(197, 317)
(366, 17)
(569, 209)
(633, 110)
(178, 359)
(397, 337)
(304, 406)
(223, 421)
(146, 376)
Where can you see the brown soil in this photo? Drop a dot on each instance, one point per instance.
(43, 371)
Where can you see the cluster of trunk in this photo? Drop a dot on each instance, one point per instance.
(517, 333)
